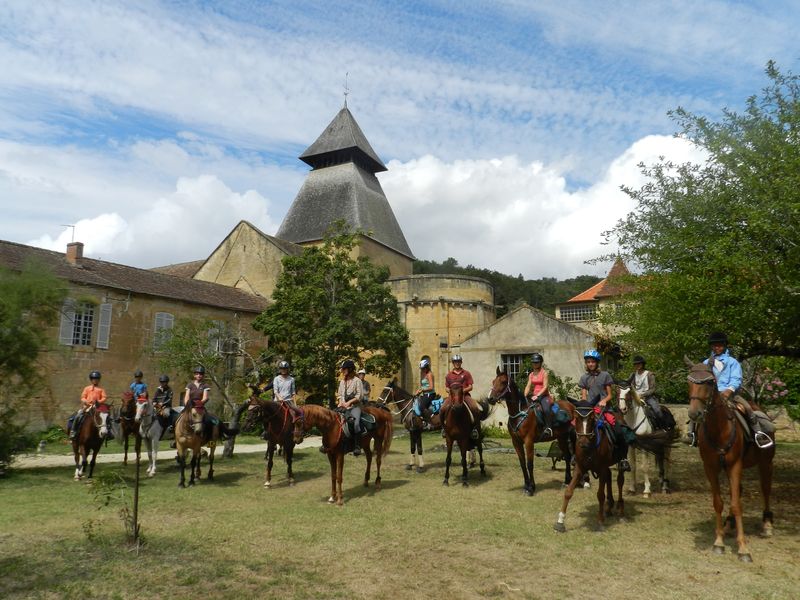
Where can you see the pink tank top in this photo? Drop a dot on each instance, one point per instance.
(537, 381)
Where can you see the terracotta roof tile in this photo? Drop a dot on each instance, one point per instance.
(610, 286)
(185, 269)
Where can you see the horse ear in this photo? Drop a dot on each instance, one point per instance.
(498, 370)
(688, 361)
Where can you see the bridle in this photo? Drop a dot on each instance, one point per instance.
(705, 377)
(584, 414)
(624, 411)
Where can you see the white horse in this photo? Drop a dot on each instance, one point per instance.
(632, 408)
(150, 429)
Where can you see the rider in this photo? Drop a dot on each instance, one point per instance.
(426, 390)
(728, 373)
(162, 402)
(349, 395)
(196, 394)
(536, 390)
(364, 385)
(458, 376)
(595, 388)
(284, 389)
(644, 383)
(138, 387)
(92, 395)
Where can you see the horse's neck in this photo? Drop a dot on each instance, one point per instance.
(636, 416)
(719, 417)
(322, 418)
(515, 400)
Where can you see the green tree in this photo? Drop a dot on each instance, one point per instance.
(717, 242)
(329, 306)
(30, 301)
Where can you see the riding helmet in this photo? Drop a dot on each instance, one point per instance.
(424, 363)
(200, 369)
(361, 372)
(94, 375)
(536, 358)
(138, 373)
(638, 359)
(592, 354)
(163, 379)
(457, 358)
(718, 337)
(348, 364)
(283, 364)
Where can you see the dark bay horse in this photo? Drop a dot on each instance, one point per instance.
(128, 426)
(278, 431)
(724, 447)
(525, 430)
(414, 424)
(87, 440)
(593, 453)
(335, 444)
(458, 425)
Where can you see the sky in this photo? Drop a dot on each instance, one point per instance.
(507, 126)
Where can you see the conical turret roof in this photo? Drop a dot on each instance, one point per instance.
(343, 141)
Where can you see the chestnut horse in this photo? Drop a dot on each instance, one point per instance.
(525, 430)
(593, 453)
(458, 425)
(278, 430)
(335, 444)
(128, 425)
(724, 447)
(88, 440)
(414, 424)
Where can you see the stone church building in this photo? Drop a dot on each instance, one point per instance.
(114, 312)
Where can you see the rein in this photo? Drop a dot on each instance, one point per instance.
(709, 404)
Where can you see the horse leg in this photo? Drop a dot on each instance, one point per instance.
(339, 477)
(566, 452)
(463, 444)
(420, 459)
(666, 465)
(472, 460)
(137, 446)
(765, 469)
(529, 448)
(605, 476)
(735, 478)
(289, 455)
(91, 463)
(412, 439)
(194, 466)
(269, 462)
(712, 474)
(368, 456)
(483, 465)
(182, 463)
(448, 460)
(646, 460)
(568, 492)
(332, 459)
(634, 462)
(621, 500)
(378, 456)
(520, 450)
(125, 443)
(211, 449)
(78, 472)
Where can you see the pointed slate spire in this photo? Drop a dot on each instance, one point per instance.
(343, 141)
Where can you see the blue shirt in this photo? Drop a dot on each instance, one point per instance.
(728, 372)
(283, 387)
(139, 389)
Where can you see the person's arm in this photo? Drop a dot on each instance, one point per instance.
(607, 398)
(468, 383)
(186, 397)
(104, 398)
(205, 394)
(735, 379)
(582, 384)
(359, 391)
(651, 386)
(293, 390)
(527, 387)
(275, 395)
(340, 394)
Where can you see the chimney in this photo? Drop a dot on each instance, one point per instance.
(74, 252)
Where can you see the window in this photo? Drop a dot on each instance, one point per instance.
(77, 323)
(164, 321)
(513, 364)
(578, 312)
(216, 337)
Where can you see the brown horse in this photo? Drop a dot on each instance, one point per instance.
(724, 447)
(88, 440)
(458, 424)
(335, 444)
(593, 453)
(414, 424)
(128, 426)
(278, 430)
(525, 430)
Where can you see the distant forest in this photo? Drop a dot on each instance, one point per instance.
(510, 291)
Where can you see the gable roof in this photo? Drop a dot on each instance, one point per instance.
(184, 269)
(105, 274)
(342, 140)
(610, 286)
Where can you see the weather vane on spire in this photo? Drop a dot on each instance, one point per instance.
(346, 89)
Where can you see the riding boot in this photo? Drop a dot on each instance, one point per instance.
(624, 465)
(76, 425)
(357, 443)
(547, 415)
(691, 437)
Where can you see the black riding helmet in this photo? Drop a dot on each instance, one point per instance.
(718, 337)
(200, 369)
(537, 358)
(638, 359)
(94, 375)
(348, 364)
(138, 373)
(163, 379)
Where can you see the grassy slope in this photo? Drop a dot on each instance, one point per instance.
(412, 539)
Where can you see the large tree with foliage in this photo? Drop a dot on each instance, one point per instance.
(30, 301)
(329, 306)
(717, 242)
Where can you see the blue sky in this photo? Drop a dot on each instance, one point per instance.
(155, 127)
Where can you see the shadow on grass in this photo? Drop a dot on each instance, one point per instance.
(361, 490)
(704, 532)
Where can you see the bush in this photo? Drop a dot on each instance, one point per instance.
(13, 437)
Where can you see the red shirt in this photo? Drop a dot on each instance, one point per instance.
(464, 378)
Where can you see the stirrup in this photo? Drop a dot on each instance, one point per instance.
(547, 431)
(762, 440)
(624, 465)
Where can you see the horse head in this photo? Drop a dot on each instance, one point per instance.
(627, 398)
(254, 410)
(456, 394)
(127, 404)
(585, 426)
(702, 388)
(197, 420)
(143, 409)
(501, 387)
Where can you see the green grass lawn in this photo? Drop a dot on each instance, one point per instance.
(413, 539)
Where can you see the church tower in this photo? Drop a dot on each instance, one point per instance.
(342, 185)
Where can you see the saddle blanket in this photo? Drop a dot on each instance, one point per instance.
(435, 406)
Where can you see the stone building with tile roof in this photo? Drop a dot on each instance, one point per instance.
(582, 309)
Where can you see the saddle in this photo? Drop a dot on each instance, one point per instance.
(435, 406)
(368, 423)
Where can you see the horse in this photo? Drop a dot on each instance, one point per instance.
(724, 446)
(525, 431)
(278, 430)
(150, 430)
(414, 424)
(335, 444)
(458, 425)
(88, 439)
(632, 408)
(593, 453)
(127, 426)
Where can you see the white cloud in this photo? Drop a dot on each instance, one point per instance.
(517, 217)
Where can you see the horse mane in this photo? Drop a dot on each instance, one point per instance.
(320, 412)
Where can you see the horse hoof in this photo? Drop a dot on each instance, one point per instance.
(646, 495)
(746, 558)
(719, 550)
(446, 483)
(331, 500)
(291, 482)
(420, 469)
(409, 467)
(587, 485)
(181, 485)
(528, 492)
(191, 484)
(600, 529)
(767, 532)
(560, 528)
(631, 491)
(465, 483)
(267, 484)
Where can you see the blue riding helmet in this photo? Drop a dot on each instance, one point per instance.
(592, 354)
